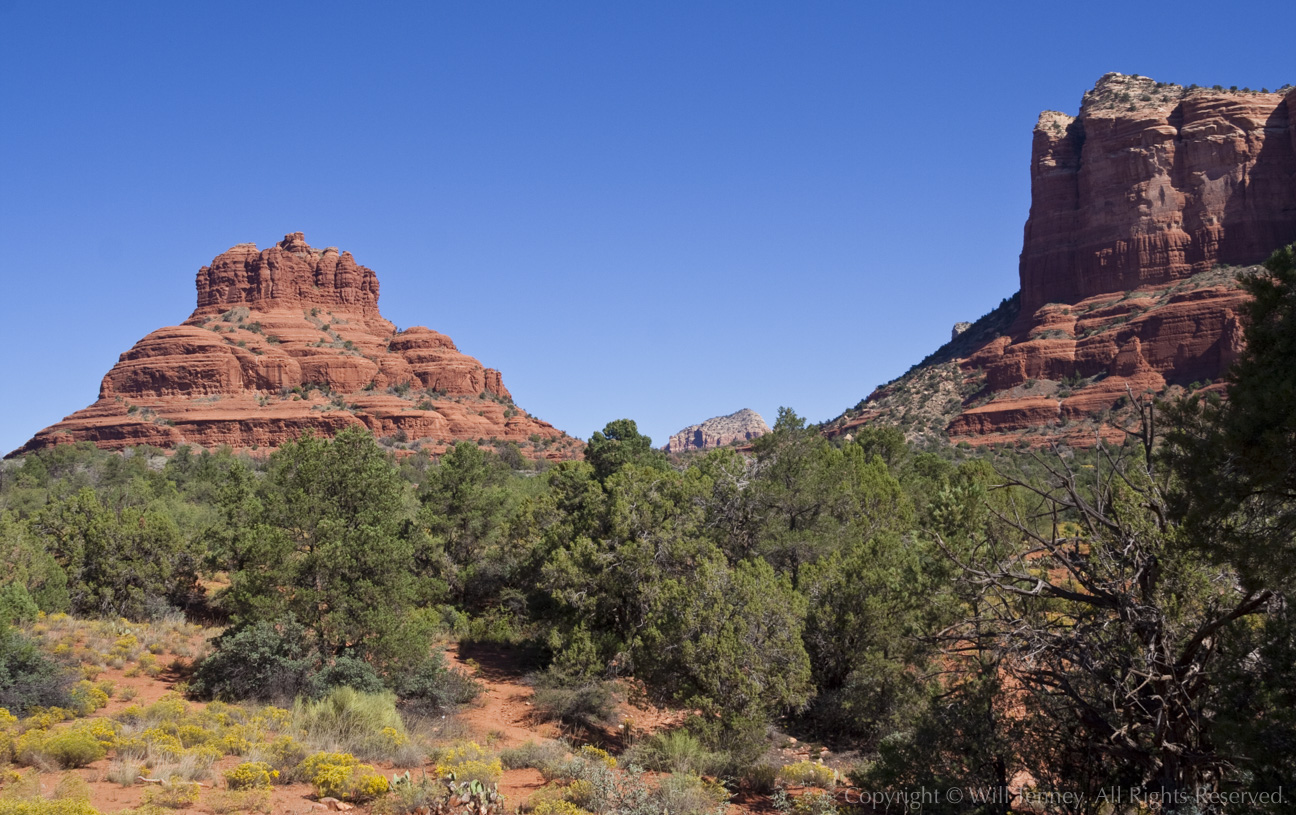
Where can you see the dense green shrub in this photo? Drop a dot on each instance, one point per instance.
(31, 568)
(28, 678)
(434, 687)
(262, 661)
(127, 562)
(586, 707)
(16, 604)
(345, 672)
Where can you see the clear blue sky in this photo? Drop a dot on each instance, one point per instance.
(665, 211)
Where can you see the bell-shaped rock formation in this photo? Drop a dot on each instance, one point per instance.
(289, 339)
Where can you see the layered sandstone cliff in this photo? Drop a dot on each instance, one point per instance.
(721, 431)
(1152, 183)
(289, 339)
(1145, 209)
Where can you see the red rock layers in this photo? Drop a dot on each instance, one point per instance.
(1139, 207)
(289, 339)
(1152, 183)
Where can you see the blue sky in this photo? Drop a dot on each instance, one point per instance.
(662, 211)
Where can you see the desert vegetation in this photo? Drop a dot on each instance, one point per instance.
(205, 629)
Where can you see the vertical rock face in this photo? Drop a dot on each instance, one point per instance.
(290, 274)
(735, 428)
(289, 339)
(1153, 183)
(1145, 208)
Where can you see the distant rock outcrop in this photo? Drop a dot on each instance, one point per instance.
(721, 431)
(289, 339)
(1145, 208)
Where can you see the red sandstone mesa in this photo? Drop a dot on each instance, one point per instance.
(290, 339)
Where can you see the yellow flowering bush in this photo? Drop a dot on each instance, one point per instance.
(312, 764)
(154, 744)
(349, 782)
(191, 735)
(459, 753)
(593, 753)
(468, 761)
(286, 753)
(393, 739)
(104, 730)
(807, 774)
(557, 807)
(487, 772)
(88, 697)
(7, 722)
(169, 708)
(43, 718)
(222, 714)
(149, 664)
(125, 646)
(44, 806)
(251, 775)
(66, 749)
(131, 714)
(814, 803)
(235, 741)
(271, 718)
(579, 793)
(205, 754)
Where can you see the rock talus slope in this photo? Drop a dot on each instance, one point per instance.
(289, 339)
(736, 428)
(1145, 208)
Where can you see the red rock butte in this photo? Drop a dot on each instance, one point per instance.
(1143, 206)
(289, 339)
(1153, 183)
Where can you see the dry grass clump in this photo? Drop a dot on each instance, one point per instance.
(21, 794)
(222, 802)
(363, 724)
(176, 740)
(545, 756)
(101, 644)
(174, 793)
